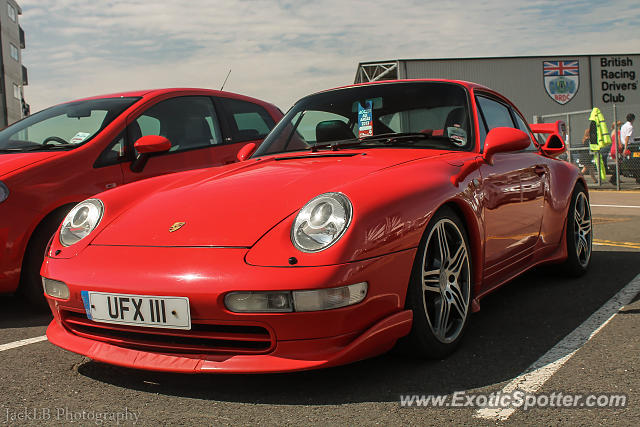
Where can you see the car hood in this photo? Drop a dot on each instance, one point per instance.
(10, 162)
(233, 206)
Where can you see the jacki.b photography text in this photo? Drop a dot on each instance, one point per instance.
(64, 414)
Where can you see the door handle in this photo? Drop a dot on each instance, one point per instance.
(540, 170)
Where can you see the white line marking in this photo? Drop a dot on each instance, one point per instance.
(534, 377)
(615, 206)
(20, 343)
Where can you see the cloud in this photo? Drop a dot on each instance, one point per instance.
(281, 50)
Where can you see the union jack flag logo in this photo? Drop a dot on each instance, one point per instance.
(560, 68)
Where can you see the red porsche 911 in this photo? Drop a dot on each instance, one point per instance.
(370, 213)
(60, 156)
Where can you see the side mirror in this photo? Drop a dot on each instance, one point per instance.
(152, 144)
(147, 145)
(246, 151)
(503, 140)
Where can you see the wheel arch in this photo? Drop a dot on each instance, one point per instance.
(44, 222)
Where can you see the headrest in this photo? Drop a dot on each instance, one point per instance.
(333, 130)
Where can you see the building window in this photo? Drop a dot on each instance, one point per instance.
(12, 12)
(16, 91)
(14, 52)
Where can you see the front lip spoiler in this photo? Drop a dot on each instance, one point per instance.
(288, 356)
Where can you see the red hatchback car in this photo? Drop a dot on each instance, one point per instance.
(370, 213)
(59, 156)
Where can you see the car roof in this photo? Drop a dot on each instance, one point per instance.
(177, 90)
(467, 84)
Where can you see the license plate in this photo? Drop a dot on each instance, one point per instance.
(138, 310)
(636, 154)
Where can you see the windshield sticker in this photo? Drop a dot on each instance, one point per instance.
(365, 117)
(457, 135)
(80, 136)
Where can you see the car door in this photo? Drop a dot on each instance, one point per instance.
(191, 124)
(242, 123)
(513, 189)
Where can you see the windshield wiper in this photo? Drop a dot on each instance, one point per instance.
(335, 145)
(411, 137)
(387, 138)
(10, 150)
(49, 147)
(391, 138)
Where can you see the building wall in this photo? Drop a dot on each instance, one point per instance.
(10, 35)
(603, 80)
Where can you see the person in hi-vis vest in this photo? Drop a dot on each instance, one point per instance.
(602, 139)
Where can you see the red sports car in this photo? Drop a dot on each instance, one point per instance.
(370, 213)
(58, 157)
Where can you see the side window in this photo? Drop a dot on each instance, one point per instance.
(246, 121)
(113, 154)
(188, 122)
(522, 125)
(494, 115)
(148, 125)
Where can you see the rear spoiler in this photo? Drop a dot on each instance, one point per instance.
(554, 144)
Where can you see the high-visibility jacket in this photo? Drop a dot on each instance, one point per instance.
(604, 139)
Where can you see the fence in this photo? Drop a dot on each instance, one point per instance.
(623, 169)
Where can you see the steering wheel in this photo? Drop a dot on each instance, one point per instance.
(54, 139)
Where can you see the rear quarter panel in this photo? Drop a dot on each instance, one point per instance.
(562, 180)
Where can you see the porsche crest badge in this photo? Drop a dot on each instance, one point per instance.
(176, 226)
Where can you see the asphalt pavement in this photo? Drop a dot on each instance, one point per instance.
(518, 325)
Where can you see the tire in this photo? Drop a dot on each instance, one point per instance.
(439, 293)
(579, 234)
(30, 281)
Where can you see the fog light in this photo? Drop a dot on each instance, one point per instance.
(288, 301)
(259, 302)
(327, 299)
(55, 288)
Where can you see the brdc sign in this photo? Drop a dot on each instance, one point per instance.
(615, 79)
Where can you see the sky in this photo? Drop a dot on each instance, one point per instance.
(282, 50)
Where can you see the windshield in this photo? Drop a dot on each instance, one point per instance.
(404, 114)
(64, 126)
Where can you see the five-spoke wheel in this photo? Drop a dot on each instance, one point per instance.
(582, 229)
(579, 233)
(440, 291)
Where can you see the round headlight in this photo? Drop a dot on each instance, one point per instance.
(81, 221)
(321, 222)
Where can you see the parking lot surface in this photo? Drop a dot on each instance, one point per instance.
(518, 326)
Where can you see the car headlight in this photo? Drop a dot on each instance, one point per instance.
(321, 222)
(4, 192)
(289, 301)
(81, 221)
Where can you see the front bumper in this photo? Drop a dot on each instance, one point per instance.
(288, 356)
(297, 341)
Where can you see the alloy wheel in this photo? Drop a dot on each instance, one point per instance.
(446, 282)
(582, 229)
